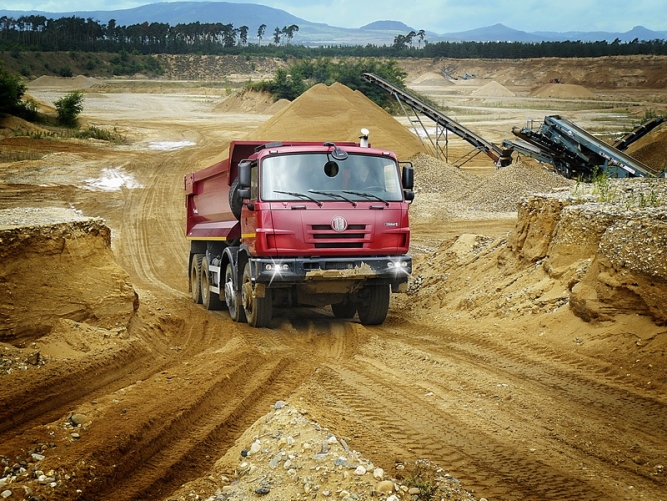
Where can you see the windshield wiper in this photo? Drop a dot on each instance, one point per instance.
(335, 195)
(367, 195)
(300, 195)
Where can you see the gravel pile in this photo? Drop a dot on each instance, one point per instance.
(501, 192)
(285, 455)
(437, 176)
(23, 217)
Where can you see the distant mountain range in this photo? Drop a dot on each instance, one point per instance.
(317, 34)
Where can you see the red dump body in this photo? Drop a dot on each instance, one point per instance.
(208, 214)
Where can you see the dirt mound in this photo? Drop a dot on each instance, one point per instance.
(12, 126)
(337, 113)
(431, 78)
(247, 101)
(493, 89)
(567, 250)
(562, 91)
(78, 82)
(57, 254)
(652, 148)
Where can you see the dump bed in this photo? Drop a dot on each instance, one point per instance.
(208, 213)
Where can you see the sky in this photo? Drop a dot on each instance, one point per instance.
(438, 16)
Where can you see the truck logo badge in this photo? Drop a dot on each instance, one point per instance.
(339, 223)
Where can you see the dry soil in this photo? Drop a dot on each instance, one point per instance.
(527, 362)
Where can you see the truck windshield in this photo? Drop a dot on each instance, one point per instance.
(357, 178)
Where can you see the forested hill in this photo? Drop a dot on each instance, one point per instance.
(252, 16)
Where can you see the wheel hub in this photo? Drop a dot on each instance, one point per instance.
(247, 296)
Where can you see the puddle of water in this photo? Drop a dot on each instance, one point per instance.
(169, 145)
(112, 180)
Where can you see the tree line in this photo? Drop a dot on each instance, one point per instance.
(38, 33)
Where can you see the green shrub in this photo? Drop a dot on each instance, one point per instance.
(69, 107)
(11, 91)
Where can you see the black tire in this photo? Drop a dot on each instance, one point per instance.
(235, 202)
(195, 280)
(232, 297)
(258, 310)
(374, 310)
(209, 299)
(346, 309)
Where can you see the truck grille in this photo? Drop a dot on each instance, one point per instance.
(324, 237)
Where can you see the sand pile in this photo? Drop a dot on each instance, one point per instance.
(250, 101)
(563, 91)
(337, 113)
(652, 148)
(11, 126)
(493, 89)
(431, 78)
(79, 82)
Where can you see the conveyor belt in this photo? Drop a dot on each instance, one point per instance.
(500, 156)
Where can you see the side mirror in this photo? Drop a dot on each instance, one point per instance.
(244, 173)
(408, 177)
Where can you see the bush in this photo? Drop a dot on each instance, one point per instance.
(11, 91)
(65, 71)
(291, 83)
(69, 108)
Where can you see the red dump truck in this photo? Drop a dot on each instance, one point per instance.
(281, 224)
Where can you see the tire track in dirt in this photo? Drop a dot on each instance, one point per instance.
(43, 400)
(581, 385)
(481, 462)
(235, 381)
(203, 430)
(508, 390)
(149, 249)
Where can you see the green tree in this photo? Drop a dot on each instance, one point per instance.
(11, 92)
(69, 107)
(289, 32)
(260, 33)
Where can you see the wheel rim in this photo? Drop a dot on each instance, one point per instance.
(247, 297)
(230, 295)
(204, 286)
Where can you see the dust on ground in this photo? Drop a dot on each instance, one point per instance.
(527, 361)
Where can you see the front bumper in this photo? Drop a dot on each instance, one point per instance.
(288, 271)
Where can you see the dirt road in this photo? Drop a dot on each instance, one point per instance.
(544, 407)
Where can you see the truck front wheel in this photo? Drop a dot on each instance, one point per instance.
(233, 298)
(258, 310)
(375, 307)
(346, 309)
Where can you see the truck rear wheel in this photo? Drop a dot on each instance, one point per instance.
(209, 299)
(195, 281)
(232, 297)
(346, 309)
(374, 309)
(258, 310)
